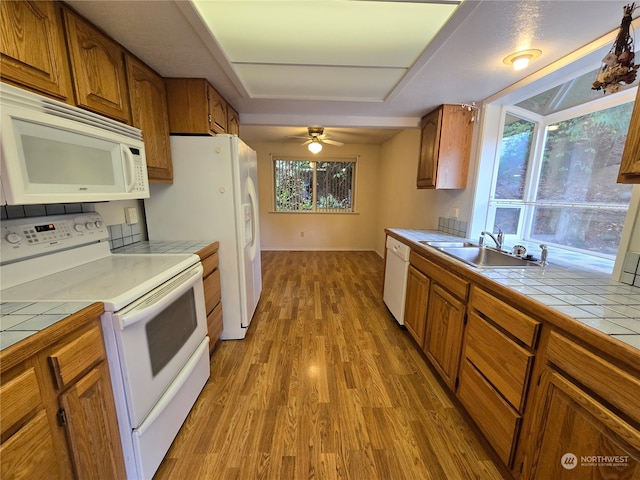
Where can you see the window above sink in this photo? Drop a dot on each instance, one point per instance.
(549, 162)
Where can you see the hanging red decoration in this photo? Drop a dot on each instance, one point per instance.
(618, 66)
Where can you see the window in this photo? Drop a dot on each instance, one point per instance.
(303, 185)
(555, 178)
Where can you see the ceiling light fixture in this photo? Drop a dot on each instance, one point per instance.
(315, 146)
(520, 60)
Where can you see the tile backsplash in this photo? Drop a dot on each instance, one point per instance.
(631, 269)
(119, 235)
(124, 234)
(9, 212)
(452, 226)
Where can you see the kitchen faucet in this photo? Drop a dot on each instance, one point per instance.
(498, 239)
(543, 256)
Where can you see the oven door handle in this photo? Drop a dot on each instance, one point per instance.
(157, 300)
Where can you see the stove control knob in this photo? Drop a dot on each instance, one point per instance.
(13, 238)
(90, 225)
(79, 227)
(99, 224)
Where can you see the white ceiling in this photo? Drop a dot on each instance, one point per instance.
(288, 64)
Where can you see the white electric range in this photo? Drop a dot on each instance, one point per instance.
(154, 323)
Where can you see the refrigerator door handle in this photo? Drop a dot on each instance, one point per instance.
(253, 200)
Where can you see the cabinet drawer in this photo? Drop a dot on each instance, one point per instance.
(506, 365)
(209, 264)
(214, 325)
(212, 292)
(76, 356)
(521, 326)
(30, 452)
(596, 374)
(497, 420)
(20, 398)
(454, 284)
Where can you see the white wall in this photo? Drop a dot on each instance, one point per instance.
(402, 204)
(284, 231)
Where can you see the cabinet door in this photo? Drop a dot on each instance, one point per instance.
(97, 63)
(31, 452)
(443, 338)
(92, 426)
(579, 438)
(33, 54)
(429, 144)
(30, 447)
(217, 111)
(415, 309)
(630, 165)
(148, 98)
(233, 121)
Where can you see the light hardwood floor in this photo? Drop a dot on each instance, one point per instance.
(326, 385)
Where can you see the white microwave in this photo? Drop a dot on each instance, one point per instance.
(57, 153)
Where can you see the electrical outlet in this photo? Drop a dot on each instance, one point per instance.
(131, 215)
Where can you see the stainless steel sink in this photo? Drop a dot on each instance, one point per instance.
(449, 244)
(483, 257)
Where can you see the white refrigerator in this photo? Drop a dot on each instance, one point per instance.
(214, 196)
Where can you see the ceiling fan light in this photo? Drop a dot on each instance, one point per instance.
(315, 146)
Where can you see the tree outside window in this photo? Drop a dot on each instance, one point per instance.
(314, 186)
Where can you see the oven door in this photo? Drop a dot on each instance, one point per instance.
(156, 336)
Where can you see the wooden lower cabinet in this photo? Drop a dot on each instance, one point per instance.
(579, 437)
(435, 309)
(497, 362)
(415, 309)
(57, 410)
(585, 419)
(497, 420)
(212, 292)
(89, 416)
(443, 336)
(29, 441)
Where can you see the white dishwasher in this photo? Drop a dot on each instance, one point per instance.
(395, 277)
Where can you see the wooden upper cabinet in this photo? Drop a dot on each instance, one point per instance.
(98, 69)
(217, 111)
(233, 121)
(630, 165)
(148, 98)
(195, 107)
(33, 53)
(445, 147)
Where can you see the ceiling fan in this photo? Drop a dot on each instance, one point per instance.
(316, 138)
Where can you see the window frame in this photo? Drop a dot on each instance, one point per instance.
(529, 201)
(315, 160)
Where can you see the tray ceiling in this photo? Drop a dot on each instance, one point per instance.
(329, 50)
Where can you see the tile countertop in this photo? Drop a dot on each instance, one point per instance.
(163, 247)
(19, 320)
(590, 297)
